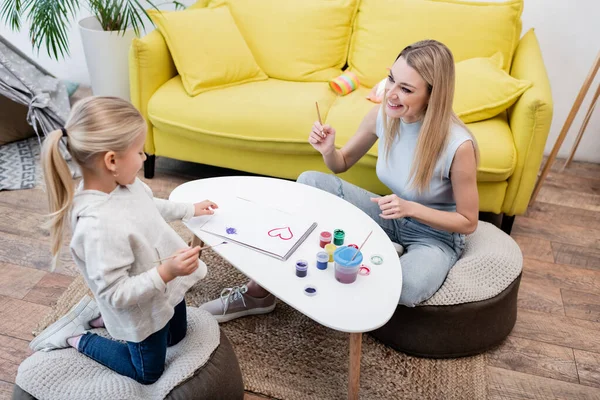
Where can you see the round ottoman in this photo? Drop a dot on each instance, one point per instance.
(219, 377)
(474, 309)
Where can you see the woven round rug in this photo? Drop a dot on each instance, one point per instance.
(286, 355)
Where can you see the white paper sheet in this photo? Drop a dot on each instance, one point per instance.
(262, 228)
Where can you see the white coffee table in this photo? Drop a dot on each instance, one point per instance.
(362, 306)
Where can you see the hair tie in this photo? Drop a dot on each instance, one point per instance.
(64, 132)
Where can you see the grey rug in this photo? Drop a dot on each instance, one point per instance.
(19, 165)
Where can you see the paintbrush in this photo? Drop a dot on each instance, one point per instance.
(201, 248)
(361, 246)
(318, 113)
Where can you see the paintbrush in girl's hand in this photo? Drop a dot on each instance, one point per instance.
(201, 248)
(361, 246)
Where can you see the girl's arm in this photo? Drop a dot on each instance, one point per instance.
(108, 260)
(170, 210)
(463, 175)
(341, 160)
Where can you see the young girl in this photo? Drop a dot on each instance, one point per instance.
(136, 265)
(428, 159)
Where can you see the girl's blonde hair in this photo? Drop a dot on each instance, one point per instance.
(435, 63)
(95, 126)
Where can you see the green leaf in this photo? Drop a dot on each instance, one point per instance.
(50, 21)
(10, 12)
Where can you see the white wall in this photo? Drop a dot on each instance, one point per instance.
(569, 35)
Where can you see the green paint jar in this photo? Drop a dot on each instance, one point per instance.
(338, 237)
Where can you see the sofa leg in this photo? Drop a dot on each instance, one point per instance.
(149, 166)
(507, 223)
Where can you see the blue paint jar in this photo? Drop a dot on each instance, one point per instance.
(301, 268)
(322, 259)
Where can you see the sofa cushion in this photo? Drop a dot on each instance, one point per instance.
(382, 28)
(483, 90)
(296, 40)
(271, 115)
(494, 138)
(203, 65)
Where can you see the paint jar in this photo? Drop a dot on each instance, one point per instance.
(345, 269)
(324, 238)
(330, 249)
(338, 237)
(301, 268)
(322, 259)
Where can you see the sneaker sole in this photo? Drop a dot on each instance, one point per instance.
(255, 311)
(58, 325)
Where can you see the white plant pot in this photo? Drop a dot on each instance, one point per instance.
(107, 58)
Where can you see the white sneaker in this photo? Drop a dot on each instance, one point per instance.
(399, 248)
(74, 323)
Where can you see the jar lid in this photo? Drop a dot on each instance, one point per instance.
(322, 256)
(339, 234)
(325, 235)
(301, 265)
(310, 290)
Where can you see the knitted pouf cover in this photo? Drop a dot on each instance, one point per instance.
(474, 309)
(202, 366)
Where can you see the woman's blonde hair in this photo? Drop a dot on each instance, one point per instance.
(95, 125)
(435, 63)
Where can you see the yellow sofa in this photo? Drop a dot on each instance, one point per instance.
(262, 127)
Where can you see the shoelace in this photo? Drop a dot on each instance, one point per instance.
(229, 295)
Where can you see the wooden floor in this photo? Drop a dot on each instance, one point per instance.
(553, 351)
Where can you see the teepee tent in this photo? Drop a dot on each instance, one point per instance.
(28, 92)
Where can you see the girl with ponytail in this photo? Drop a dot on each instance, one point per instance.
(119, 232)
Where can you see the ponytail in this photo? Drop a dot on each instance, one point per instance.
(59, 188)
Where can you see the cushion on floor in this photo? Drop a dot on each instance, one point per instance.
(194, 362)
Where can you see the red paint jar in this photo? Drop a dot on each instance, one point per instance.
(324, 238)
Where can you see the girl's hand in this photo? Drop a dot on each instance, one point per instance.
(182, 263)
(393, 207)
(322, 138)
(205, 207)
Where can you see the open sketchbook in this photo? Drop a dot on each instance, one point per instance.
(261, 228)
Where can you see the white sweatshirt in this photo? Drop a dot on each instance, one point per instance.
(116, 241)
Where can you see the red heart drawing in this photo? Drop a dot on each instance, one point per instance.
(283, 233)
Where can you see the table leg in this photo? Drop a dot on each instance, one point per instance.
(196, 241)
(354, 370)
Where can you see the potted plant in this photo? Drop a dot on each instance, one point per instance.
(106, 35)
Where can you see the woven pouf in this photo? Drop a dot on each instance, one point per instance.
(219, 377)
(474, 310)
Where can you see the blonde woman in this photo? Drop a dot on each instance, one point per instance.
(427, 158)
(119, 236)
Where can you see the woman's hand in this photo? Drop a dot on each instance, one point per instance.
(322, 138)
(393, 207)
(205, 207)
(182, 263)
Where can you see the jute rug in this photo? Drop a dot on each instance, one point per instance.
(286, 355)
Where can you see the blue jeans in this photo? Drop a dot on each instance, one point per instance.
(143, 361)
(429, 252)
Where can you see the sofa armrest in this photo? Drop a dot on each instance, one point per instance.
(150, 66)
(529, 119)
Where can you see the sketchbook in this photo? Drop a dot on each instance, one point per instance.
(267, 230)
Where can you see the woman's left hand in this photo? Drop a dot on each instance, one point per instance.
(393, 207)
(205, 207)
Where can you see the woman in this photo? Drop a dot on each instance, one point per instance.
(428, 159)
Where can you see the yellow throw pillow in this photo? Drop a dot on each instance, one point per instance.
(483, 90)
(207, 48)
(296, 40)
(382, 28)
